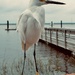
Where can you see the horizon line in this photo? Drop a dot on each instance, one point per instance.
(45, 23)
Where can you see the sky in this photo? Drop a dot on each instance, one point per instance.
(11, 10)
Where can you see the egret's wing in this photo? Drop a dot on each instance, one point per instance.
(38, 14)
(22, 24)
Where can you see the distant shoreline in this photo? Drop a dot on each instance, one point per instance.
(60, 23)
(45, 23)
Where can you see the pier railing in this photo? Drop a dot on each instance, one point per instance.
(61, 37)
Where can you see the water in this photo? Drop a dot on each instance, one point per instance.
(11, 52)
(67, 26)
(9, 44)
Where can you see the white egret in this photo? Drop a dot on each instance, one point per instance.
(30, 25)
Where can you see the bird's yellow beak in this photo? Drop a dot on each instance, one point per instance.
(54, 2)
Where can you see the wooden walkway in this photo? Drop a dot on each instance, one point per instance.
(64, 38)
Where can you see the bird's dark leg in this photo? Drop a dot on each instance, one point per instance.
(24, 59)
(35, 59)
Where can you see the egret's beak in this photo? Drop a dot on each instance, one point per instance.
(54, 2)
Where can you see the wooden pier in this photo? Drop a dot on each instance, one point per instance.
(64, 38)
(63, 41)
(8, 24)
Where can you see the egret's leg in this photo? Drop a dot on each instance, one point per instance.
(35, 59)
(24, 59)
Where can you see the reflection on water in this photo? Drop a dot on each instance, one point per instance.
(48, 59)
(56, 60)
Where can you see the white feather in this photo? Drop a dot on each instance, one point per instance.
(30, 24)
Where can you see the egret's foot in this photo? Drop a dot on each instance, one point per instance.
(37, 73)
(71, 74)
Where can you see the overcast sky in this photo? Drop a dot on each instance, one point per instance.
(11, 9)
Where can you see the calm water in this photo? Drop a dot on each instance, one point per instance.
(67, 26)
(10, 44)
(10, 50)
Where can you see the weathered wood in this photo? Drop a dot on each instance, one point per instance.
(10, 29)
(61, 37)
(7, 25)
(50, 36)
(65, 40)
(72, 31)
(52, 24)
(61, 23)
(46, 35)
(57, 37)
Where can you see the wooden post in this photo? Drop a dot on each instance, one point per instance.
(52, 24)
(50, 36)
(42, 36)
(57, 37)
(7, 25)
(65, 40)
(45, 34)
(61, 23)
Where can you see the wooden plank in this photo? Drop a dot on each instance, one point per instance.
(10, 29)
(61, 37)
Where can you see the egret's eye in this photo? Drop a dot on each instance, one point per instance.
(42, 0)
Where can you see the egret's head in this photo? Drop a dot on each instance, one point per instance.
(43, 2)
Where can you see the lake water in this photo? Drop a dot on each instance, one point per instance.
(67, 26)
(10, 44)
(11, 51)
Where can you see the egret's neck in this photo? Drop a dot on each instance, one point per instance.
(34, 3)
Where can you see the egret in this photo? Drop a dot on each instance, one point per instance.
(30, 25)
